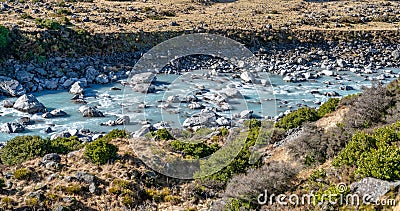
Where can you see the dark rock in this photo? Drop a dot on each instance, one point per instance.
(51, 157)
(88, 111)
(85, 177)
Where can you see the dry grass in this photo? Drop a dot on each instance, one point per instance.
(241, 14)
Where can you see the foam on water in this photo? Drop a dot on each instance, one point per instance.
(112, 102)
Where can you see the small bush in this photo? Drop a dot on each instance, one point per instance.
(328, 107)
(22, 148)
(194, 150)
(297, 118)
(114, 134)
(369, 108)
(276, 177)
(48, 24)
(163, 134)
(65, 145)
(100, 151)
(4, 33)
(22, 174)
(70, 189)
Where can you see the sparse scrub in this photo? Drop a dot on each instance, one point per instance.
(23, 174)
(48, 24)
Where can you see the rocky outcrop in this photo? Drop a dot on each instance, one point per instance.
(11, 87)
(29, 103)
(372, 189)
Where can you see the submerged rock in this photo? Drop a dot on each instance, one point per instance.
(29, 104)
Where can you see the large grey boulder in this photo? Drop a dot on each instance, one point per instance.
(58, 113)
(11, 87)
(29, 103)
(51, 157)
(140, 78)
(143, 131)
(247, 77)
(143, 88)
(12, 128)
(204, 118)
(372, 189)
(77, 88)
(88, 111)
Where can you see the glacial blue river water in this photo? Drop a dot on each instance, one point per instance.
(115, 103)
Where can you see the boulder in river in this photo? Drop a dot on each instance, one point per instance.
(58, 113)
(140, 78)
(88, 111)
(204, 118)
(11, 87)
(29, 103)
(12, 128)
(247, 77)
(8, 104)
(77, 88)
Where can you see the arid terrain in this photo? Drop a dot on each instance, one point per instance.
(177, 15)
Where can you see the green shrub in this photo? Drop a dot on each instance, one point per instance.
(4, 33)
(194, 150)
(70, 189)
(238, 154)
(328, 107)
(48, 23)
(22, 148)
(297, 118)
(163, 134)
(114, 134)
(22, 174)
(100, 151)
(65, 145)
(375, 155)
